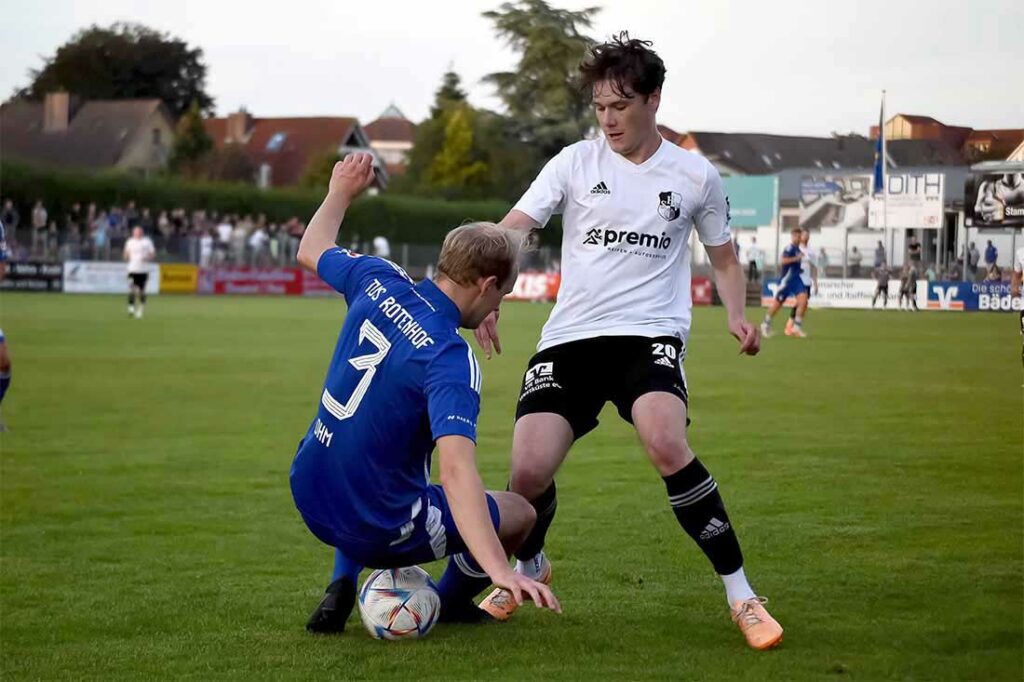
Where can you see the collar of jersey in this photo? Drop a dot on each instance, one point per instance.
(638, 167)
(440, 301)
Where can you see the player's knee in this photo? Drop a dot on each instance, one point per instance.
(529, 481)
(668, 452)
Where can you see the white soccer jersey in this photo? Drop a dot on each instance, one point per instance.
(626, 228)
(139, 251)
(1018, 260)
(807, 259)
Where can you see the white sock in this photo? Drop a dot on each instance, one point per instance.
(736, 587)
(531, 568)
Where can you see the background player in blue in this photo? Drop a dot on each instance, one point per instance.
(790, 284)
(400, 380)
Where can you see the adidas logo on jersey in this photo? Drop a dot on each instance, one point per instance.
(600, 188)
(714, 527)
(664, 361)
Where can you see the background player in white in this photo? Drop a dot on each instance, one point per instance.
(629, 202)
(138, 250)
(1015, 286)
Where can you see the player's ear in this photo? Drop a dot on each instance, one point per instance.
(487, 283)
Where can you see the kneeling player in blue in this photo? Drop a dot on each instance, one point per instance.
(401, 380)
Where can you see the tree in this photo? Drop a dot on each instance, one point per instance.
(455, 168)
(125, 61)
(449, 94)
(191, 144)
(542, 94)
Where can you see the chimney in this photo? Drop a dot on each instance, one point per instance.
(239, 125)
(56, 112)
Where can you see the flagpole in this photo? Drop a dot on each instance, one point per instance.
(885, 186)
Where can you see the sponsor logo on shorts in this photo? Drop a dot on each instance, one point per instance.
(538, 378)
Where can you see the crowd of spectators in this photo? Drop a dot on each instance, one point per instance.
(206, 238)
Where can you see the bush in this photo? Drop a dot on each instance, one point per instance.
(400, 218)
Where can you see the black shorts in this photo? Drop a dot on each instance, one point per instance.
(138, 279)
(576, 379)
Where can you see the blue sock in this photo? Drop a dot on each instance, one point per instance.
(462, 580)
(345, 567)
(5, 381)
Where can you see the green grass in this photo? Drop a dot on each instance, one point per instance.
(874, 472)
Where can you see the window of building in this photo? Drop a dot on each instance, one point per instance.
(276, 141)
(156, 135)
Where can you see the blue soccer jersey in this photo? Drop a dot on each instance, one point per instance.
(790, 284)
(400, 378)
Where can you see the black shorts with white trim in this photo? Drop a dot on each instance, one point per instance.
(576, 379)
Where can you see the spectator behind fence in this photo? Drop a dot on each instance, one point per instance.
(855, 259)
(381, 247)
(52, 241)
(879, 255)
(205, 249)
(991, 254)
(39, 220)
(239, 236)
(258, 247)
(755, 261)
(914, 251)
(10, 218)
(224, 230)
(973, 258)
(822, 262)
(100, 237)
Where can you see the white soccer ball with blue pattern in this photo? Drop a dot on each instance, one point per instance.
(399, 603)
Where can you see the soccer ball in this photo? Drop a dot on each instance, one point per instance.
(399, 603)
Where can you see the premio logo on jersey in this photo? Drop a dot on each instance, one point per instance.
(669, 204)
(615, 240)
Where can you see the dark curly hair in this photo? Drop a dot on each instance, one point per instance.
(629, 64)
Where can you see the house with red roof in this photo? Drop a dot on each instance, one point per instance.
(282, 148)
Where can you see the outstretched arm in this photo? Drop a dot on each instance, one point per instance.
(732, 289)
(348, 180)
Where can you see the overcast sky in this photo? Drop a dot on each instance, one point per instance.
(782, 66)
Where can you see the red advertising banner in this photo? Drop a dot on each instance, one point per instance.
(535, 286)
(259, 281)
(312, 285)
(700, 290)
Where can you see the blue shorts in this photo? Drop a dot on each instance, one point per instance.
(433, 537)
(792, 286)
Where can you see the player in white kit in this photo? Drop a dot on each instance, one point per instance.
(138, 250)
(629, 201)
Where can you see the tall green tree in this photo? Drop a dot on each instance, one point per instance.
(125, 61)
(456, 167)
(542, 93)
(191, 146)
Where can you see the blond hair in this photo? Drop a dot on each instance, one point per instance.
(478, 250)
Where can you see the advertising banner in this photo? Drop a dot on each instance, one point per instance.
(312, 285)
(994, 200)
(992, 296)
(915, 200)
(700, 291)
(178, 278)
(99, 277)
(257, 281)
(846, 293)
(33, 276)
(835, 201)
(535, 286)
(753, 200)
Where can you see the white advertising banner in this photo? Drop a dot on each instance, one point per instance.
(98, 277)
(850, 293)
(915, 200)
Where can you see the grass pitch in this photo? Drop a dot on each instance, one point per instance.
(874, 473)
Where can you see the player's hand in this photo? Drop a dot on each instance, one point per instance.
(487, 335)
(521, 587)
(352, 175)
(747, 334)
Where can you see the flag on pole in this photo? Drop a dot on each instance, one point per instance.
(879, 185)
